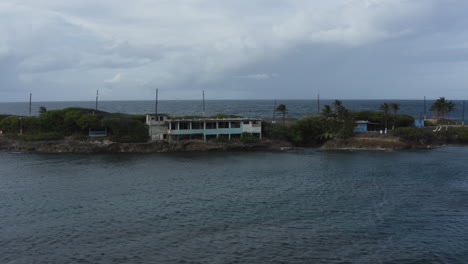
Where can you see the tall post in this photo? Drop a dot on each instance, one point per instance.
(21, 126)
(97, 97)
(156, 103)
(274, 111)
(318, 103)
(30, 100)
(204, 118)
(463, 114)
(204, 110)
(425, 108)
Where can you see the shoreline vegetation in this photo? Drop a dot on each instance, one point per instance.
(66, 131)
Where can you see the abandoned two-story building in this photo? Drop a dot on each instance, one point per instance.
(163, 127)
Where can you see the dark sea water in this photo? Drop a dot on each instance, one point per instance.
(305, 206)
(246, 108)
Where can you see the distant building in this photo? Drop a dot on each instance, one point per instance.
(163, 127)
(364, 126)
(419, 122)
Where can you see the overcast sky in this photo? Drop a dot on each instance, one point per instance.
(233, 49)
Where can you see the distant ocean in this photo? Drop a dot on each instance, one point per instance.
(246, 108)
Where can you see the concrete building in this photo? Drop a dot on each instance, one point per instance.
(163, 127)
(157, 125)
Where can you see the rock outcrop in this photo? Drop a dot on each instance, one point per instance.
(367, 141)
(69, 145)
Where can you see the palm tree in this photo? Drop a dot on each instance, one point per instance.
(340, 111)
(283, 110)
(395, 107)
(42, 110)
(326, 111)
(385, 107)
(442, 107)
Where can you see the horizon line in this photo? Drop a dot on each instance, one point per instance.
(312, 99)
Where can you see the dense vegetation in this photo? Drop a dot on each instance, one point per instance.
(56, 124)
(399, 120)
(334, 121)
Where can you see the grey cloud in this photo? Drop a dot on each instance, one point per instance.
(348, 48)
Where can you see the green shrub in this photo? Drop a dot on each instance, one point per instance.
(222, 139)
(3, 117)
(316, 130)
(10, 124)
(40, 136)
(248, 138)
(125, 129)
(429, 123)
(87, 121)
(413, 133)
(463, 134)
(139, 118)
(277, 132)
(404, 121)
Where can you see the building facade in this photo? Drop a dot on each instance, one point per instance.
(163, 127)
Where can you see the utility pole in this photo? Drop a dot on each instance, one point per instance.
(30, 100)
(97, 97)
(204, 111)
(425, 108)
(204, 118)
(21, 126)
(156, 103)
(318, 103)
(274, 112)
(463, 114)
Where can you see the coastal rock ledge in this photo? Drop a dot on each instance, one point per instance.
(105, 146)
(368, 141)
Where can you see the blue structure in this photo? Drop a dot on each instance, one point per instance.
(419, 122)
(361, 126)
(98, 133)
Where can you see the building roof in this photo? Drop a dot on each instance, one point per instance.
(159, 114)
(365, 122)
(207, 118)
(213, 119)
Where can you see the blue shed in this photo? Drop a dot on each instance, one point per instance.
(361, 126)
(419, 122)
(97, 133)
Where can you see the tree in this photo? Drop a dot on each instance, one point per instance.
(42, 110)
(395, 107)
(340, 111)
(385, 107)
(442, 107)
(283, 110)
(326, 112)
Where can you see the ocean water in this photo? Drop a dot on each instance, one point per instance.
(246, 108)
(305, 206)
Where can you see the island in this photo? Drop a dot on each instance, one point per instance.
(80, 130)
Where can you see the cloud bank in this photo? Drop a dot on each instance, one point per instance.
(64, 49)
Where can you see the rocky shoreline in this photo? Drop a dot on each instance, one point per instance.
(69, 145)
(370, 141)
